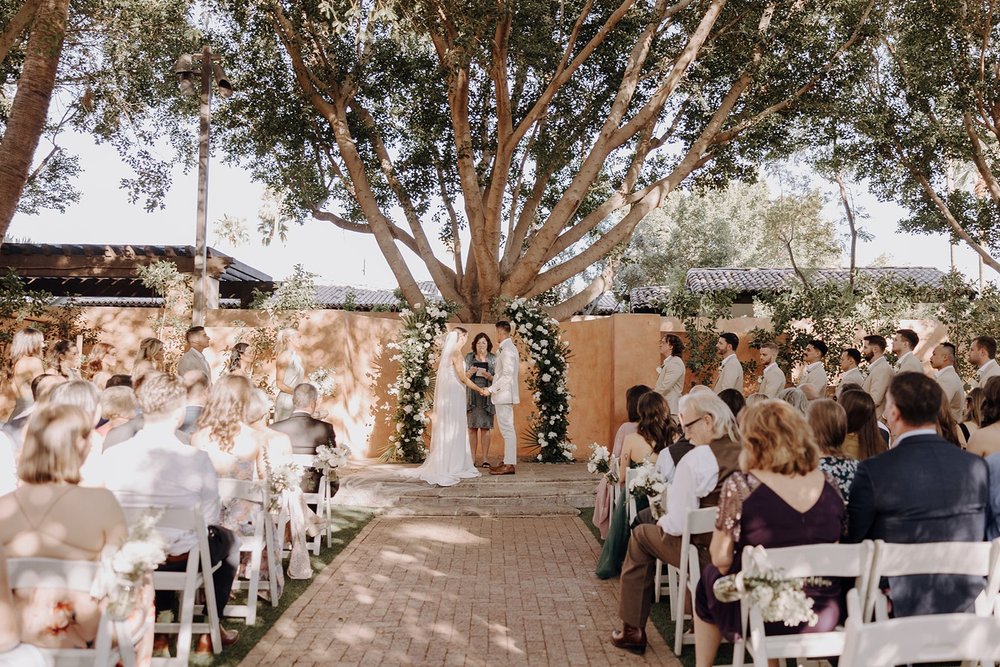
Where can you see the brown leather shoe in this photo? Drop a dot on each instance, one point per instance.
(229, 638)
(502, 470)
(630, 638)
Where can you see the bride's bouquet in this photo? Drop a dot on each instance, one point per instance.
(779, 598)
(600, 459)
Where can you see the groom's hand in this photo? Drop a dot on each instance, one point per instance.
(485, 392)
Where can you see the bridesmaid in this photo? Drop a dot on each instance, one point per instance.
(148, 358)
(288, 372)
(25, 357)
(480, 365)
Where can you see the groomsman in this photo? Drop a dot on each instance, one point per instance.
(903, 344)
(943, 361)
(879, 371)
(850, 359)
(982, 355)
(813, 379)
(773, 379)
(731, 371)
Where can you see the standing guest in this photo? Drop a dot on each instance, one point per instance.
(41, 386)
(943, 361)
(986, 440)
(194, 358)
(922, 490)
(780, 498)
(670, 374)
(288, 371)
(828, 421)
(480, 364)
(864, 437)
(903, 344)
(711, 427)
(813, 380)
(731, 370)
(879, 371)
(239, 360)
(26, 365)
(972, 419)
(796, 398)
(100, 362)
(148, 359)
(305, 432)
(196, 384)
(51, 516)
(773, 379)
(118, 406)
(64, 359)
(155, 469)
(850, 359)
(982, 354)
(602, 501)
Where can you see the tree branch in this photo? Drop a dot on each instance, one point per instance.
(584, 297)
(22, 19)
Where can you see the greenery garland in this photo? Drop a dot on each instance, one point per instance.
(540, 336)
(416, 351)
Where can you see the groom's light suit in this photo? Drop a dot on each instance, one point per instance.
(504, 391)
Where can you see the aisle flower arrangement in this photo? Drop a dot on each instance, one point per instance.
(280, 479)
(600, 460)
(415, 350)
(127, 568)
(540, 336)
(325, 382)
(332, 458)
(648, 482)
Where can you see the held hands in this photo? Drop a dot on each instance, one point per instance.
(484, 392)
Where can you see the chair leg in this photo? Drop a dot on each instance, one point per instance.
(253, 586)
(672, 586)
(679, 616)
(657, 580)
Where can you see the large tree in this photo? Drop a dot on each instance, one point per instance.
(544, 131)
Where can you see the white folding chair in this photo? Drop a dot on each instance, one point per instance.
(810, 560)
(236, 489)
(616, 489)
(663, 584)
(320, 499)
(698, 521)
(196, 576)
(933, 638)
(631, 511)
(895, 560)
(73, 575)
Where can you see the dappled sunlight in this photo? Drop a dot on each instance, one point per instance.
(439, 532)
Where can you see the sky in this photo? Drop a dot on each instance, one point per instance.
(104, 215)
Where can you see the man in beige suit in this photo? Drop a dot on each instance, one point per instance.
(982, 355)
(943, 361)
(850, 359)
(880, 373)
(731, 371)
(813, 379)
(903, 344)
(773, 379)
(505, 395)
(670, 374)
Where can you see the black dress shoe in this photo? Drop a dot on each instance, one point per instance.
(630, 638)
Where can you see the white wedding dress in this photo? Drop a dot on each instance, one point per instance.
(450, 459)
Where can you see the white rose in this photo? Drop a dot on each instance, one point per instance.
(546, 377)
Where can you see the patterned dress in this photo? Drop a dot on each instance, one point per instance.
(479, 409)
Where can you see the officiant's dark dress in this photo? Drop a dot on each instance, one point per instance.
(479, 408)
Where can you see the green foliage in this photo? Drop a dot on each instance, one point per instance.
(699, 315)
(21, 307)
(178, 299)
(968, 315)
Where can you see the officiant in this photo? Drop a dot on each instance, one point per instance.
(480, 364)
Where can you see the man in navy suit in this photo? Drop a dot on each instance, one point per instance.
(922, 490)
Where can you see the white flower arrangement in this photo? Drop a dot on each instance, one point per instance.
(600, 459)
(648, 482)
(281, 478)
(142, 552)
(325, 382)
(332, 458)
(779, 598)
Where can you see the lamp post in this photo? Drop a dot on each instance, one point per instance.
(209, 70)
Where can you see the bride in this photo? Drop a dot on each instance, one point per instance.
(449, 460)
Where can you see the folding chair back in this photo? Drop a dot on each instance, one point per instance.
(197, 575)
(256, 493)
(320, 498)
(630, 499)
(897, 560)
(699, 521)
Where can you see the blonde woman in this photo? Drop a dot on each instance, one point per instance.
(26, 363)
(148, 358)
(288, 371)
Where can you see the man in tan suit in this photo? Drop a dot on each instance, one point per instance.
(982, 355)
(813, 379)
(850, 359)
(903, 344)
(670, 374)
(773, 379)
(879, 371)
(731, 371)
(943, 361)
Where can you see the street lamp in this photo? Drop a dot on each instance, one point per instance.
(186, 68)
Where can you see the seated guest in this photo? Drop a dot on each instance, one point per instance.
(986, 440)
(796, 398)
(196, 383)
(8, 465)
(602, 501)
(63, 359)
(972, 419)
(864, 438)
(711, 428)
(654, 434)
(922, 490)
(223, 433)
(119, 380)
(947, 427)
(993, 527)
(779, 499)
(828, 421)
(305, 431)
(155, 469)
(41, 386)
(118, 405)
(51, 516)
(85, 396)
(12, 651)
(734, 401)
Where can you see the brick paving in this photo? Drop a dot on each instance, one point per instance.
(457, 591)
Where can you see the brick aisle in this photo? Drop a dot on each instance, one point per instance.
(457, 591)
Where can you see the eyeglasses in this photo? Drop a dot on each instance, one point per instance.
(691, 423)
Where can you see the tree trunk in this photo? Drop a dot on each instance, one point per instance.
(852, 223)
(31, 104)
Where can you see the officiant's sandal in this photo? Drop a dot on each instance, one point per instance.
(630, 638)
(502, 470)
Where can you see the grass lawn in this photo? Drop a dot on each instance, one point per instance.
(347, 523)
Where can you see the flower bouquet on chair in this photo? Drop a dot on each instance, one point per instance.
(600, 460)
(332, 458)
(648, 482)
(779, 598)
(125, 570)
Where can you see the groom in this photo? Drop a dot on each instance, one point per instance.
(505, 397)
